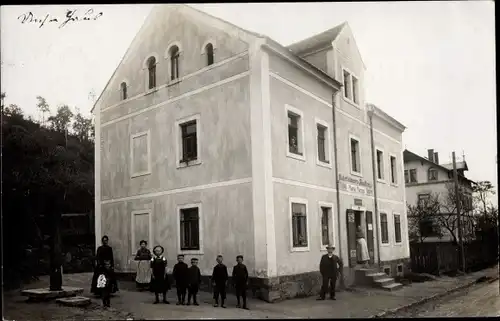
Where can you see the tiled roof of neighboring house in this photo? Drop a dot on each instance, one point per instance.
(409, 156)
(317, 41)
(460, 165)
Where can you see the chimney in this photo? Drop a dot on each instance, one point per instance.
(430, 154)
(436, 158)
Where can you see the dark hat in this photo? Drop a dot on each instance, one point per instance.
(143, 241)
(329, 246)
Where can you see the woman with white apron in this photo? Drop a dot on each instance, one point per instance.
(362, 247)
(143, 256)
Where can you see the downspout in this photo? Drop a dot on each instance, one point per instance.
(339, 229)
(375, 200)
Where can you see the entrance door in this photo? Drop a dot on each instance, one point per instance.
(351, 237)
(369, 236)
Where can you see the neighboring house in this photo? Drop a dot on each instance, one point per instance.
(216, 140)
(425, 177)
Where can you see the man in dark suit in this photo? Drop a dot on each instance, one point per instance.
(330, 267)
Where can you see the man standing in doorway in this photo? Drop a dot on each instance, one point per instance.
(330, 267)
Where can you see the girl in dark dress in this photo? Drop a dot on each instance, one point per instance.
(159, 282)
(104, 254)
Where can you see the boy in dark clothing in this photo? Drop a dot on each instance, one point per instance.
(104, 284)
(194, 281)
(219, 282)
(159, 282)
(240, 279)
(180, 274)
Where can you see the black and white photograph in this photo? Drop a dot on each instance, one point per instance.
(249, 160)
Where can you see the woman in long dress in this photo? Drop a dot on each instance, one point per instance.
(104, 255)
(143, 258)
(362, 247)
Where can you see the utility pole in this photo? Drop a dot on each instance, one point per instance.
(459, 224)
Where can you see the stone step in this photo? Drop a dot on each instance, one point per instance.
(384, 281)
(43, 294)
(377, 275)
(392, 287)
(75, 301)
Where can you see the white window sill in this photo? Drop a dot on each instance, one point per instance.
(385, 244)
(295, 156)
(300, 249)
(150, 91)
(356, 173)
(351, 102)
(398, 244)
(192, 252)
(394, 184)
(189, 164)
(323, 164)
(140, 174)
(381, 181)
(173, 82)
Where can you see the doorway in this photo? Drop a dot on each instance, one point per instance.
(363, 219)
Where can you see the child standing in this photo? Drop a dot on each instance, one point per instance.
(219, 282)
(180, 274)
(194, 278)
(159, 282)
(104, 284)
(240, 279)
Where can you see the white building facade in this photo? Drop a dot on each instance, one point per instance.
(216, 140)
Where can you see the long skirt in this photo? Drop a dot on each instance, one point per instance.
(143, 276)
(160, 284)
(362, 250)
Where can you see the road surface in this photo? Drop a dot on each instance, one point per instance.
(480, 300)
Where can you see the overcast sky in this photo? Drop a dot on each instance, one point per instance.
(431, 65)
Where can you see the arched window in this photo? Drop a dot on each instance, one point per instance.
(209, 50)
(174, 62)
(432, 174)
(151, 72)
(123, 90)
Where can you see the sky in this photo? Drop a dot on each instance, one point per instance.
(430, 65)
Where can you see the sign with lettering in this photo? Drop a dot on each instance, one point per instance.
(353, 253)
(355, 185)
(358, 202)
(350, 217)
(370, 227)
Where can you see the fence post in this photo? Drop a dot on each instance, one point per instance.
(438, 260)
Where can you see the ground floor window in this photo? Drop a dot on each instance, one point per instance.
(397, 228)
(384, 230)
(190, 228)
(325, 225)
(299, 225)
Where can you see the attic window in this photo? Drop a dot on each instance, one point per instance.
(174, 62)
(123, 90)
(209, 50)
(151, 72)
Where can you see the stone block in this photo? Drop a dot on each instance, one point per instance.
(43, 294)
(75, 301)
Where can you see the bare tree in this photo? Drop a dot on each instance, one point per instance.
(482, 190)
(43, 107)
(422, 219)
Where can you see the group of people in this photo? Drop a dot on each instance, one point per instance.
(152, 274)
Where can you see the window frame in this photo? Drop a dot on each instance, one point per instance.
(123, 93)
(394, 215)
(432, 169)
(300, 133)
(155, 76)
(379, 149)
(133, 241)
(179, 142)
(396, 172)
(168, 57)
(406, 174)
(328, 149)
(179, 208)
(355, 137)
(331, 223)
(351, 90)
(416, 175)
(146, 133)
(422, 196)
(302, 201)
(382, 243)
(148, 90)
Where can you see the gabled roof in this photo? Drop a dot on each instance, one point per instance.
(386, 117)
(318, 41)
(282, 50)
(410, 156)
